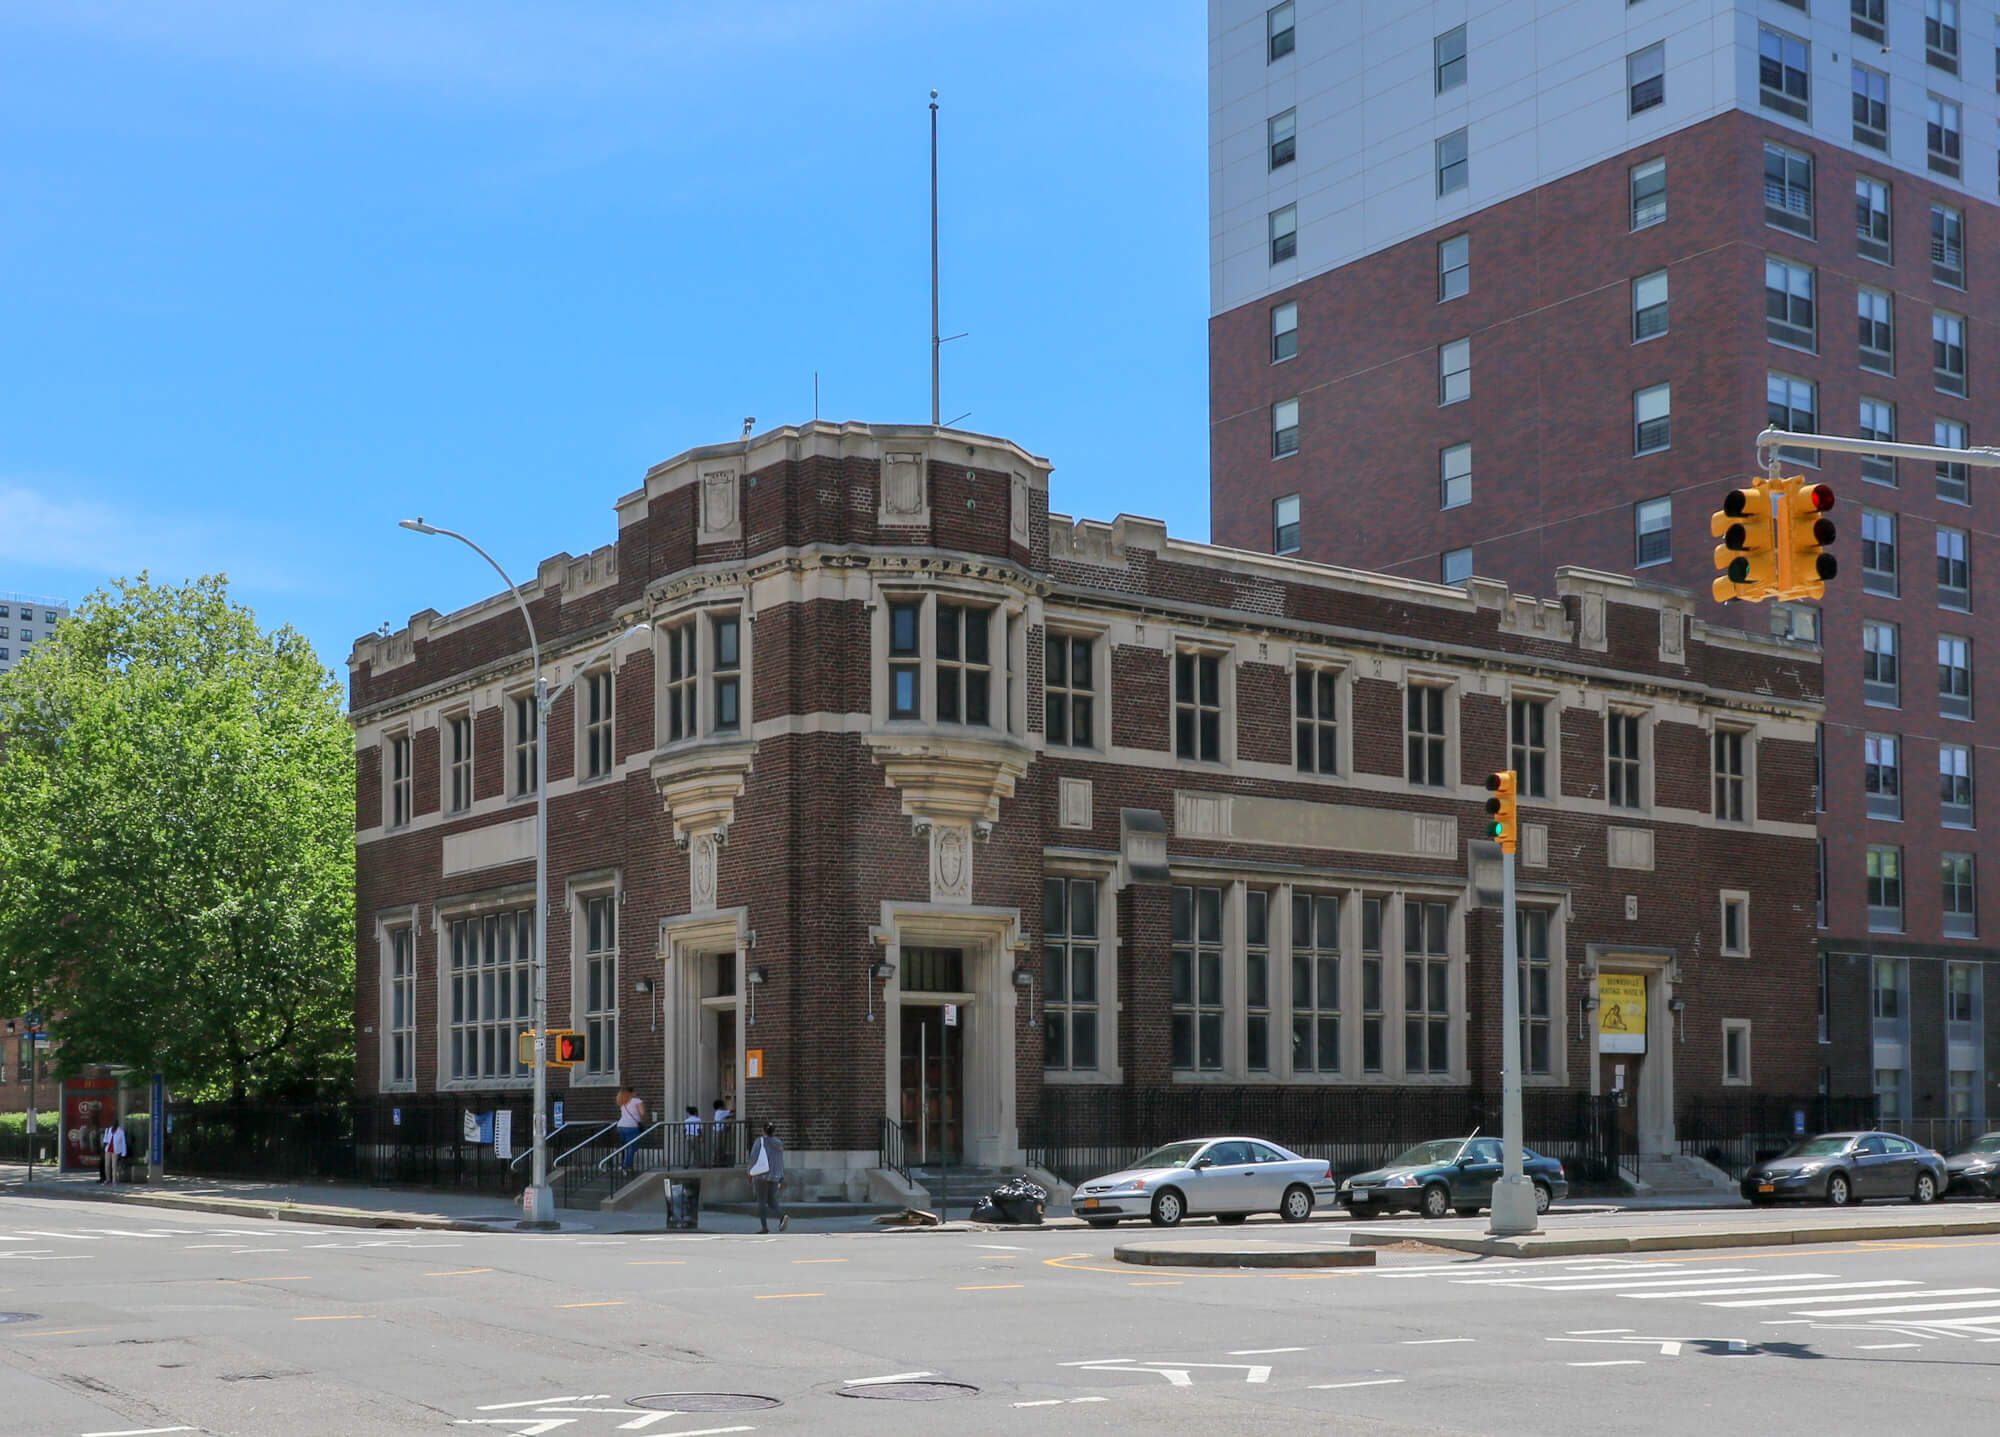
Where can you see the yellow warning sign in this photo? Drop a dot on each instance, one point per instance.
(1621, 1012)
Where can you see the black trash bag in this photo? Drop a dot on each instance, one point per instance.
(1021, 1187)
(1021, 1202)
(985, 1210)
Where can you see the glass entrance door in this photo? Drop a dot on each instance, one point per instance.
(933, 1082)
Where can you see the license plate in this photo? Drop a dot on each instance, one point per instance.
(1361, 1194)
(1766, 1188)
(1090, 1202)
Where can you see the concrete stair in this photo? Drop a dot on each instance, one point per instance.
(1677, 1175)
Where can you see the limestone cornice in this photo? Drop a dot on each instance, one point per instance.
(891, 563)
(699, 784)
(950, 778)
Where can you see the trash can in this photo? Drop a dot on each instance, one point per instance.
(683, 1200)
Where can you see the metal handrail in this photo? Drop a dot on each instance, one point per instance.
(527, 1153)
(608, 1127)
(607, 1159)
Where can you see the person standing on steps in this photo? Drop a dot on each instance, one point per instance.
(691, 1136)
(767, 1175)
(718, 1126)
(631, 1118)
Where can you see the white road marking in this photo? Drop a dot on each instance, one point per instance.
(1600, 1331)
(1615, 1362)
(1264, 1351)
(1664, 1284)
(1592, 1281)
(1883, 1346)
(1854, 1287)
(545, 1402)
(1180, 1374)
(1045, 1402)
(67, 1236)
(1370, 1382)
(1435, 1341)
(892, 1377)
(1803, 1303)
(1788, 1322)
(535, 1428)
(138, 1431)
(999, 1247)
(1912, 1307)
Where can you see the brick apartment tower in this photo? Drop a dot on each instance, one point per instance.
(1485, 290)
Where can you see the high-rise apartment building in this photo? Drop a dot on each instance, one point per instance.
(24, 620)
(1497, 289)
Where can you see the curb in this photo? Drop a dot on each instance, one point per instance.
(289, 1212)
(1241, 1254)
(1581, 1246)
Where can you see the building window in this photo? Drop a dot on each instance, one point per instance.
(1729, 775)
(1621, 754)
(1877, 314)
(1885, 894)
(1953, 480)
(1788, 189)
(1284, 331)
(1372, 1016)
(1735, 1052)
(726, 663)
(1537, 977)
(1425, 734)
(1285, 525)
(906, 658)
(1866, 19)
(1789, 316)
(1871, 108)
(1796, 621)
(1448, 59)
(1198, 706)
(1782, 71)
(1454, 267)
(401, 780)
(1652, 419)
(1649, 305)
(1822, 998)
(1941, 34)
(1454, 371)
(1455, 566)
(1646, 78)
(1942, 123)
(527, 743)
(1196, 964)
(492, 962)
(402, 1024)
(1948, 352)
(600, 985)
(1452, 164)
(1653, 520)
(1257, 981)
(1793, 405)
(1528, 746)
(1961, 916)
(1282, 132)
(1886, 1002)
(1819, 901)
(1882, 775)
(458, 729)
(1878, 552)
(1279, 33)
(1069, 974)
(1871, 220)
(1316, 718)
(1954, 575)
(681, 681)
(1284, 428)
(1955, 785)
(1880, 682)
(1735, 924)
(1069, 692)
(48, 616)
(964, 664)
(1455, 476)
(1315, 983)
(1889, 1094)
(1426, 988)
(1948, 245)
(1954, 676)
(1647, 186)
(597, 712)
(1961, 993)
(1962, 1092)
(1877, 421)
(1284, 225)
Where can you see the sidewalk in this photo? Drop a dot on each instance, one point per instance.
(1569, 1234)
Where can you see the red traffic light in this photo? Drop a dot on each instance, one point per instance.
(1819, 497)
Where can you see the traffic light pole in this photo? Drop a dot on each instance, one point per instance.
(1513, 1210)
(1984, 456)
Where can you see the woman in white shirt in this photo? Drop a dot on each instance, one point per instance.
(631, 1118)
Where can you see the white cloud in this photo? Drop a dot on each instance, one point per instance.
(96, 541)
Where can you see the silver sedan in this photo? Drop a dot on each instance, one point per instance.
(1224, 1178)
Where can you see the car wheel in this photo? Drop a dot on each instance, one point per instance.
(1102, 1221)
(1838, 1192)
(1230, 1219)
(1168, 1209)
(1436, 1201)
(1926, 1188)
(1297, 1205)
(1543, 1197)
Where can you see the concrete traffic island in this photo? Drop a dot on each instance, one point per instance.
(1231, 1252)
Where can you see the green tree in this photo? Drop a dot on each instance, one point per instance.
(177, 844)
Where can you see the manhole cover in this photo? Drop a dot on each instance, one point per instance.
(911, 1391)
(703, 1402)
(20, 1317)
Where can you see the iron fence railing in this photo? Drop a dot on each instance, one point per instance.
(892, 1149)
(1733, 1133)
(1946, 1135)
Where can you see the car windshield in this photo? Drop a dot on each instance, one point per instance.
(1815, 1148)
(1424, 1154)
(1990, 1143)
(1173, 1155)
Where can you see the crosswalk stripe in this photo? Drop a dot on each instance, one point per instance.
(1803, 1302)
(1581, 1281)
(1668, 1283)
(1912, 1307)
(1800, 1287)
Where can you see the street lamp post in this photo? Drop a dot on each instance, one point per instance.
(540, 1202)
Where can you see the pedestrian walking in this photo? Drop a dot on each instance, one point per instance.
(113, 1139)
(718, 1128)
(631, 1118)
(691, 1135)
(767, 1175)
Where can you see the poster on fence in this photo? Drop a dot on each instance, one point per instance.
(478, 1127)
(503, 1133)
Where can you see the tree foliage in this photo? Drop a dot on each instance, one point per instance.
(177, 844)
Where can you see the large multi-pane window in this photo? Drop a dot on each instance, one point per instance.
(682, 678)
(1789, 311)
(1954, 574)
(1961, 911)
(1069, 968)
(491, 966)
(1257, 981)
(598, 757)
(1316, 718)
(402, 1024)
(1948, 245)
(1621, 757)
(1877, 315)
(1315, 983)
(1528, 746)
(1871, 108)
(1783, 72)
(1881, 682)
(1531, 937)
(1954, 482)
(1730, 779)
(1788, 189)
(527, 743)
(1954, 676)
(1871, 220)
(1878, 552)
(1069, 697)
(964, 664)
(1196, 979)
(1198, 706)
(1454, 476)
(1882, 774)
(725, 633)
(1424, 733)
(1646, 185)
(1885, 888)
(600, 984)
(458, 731)
(1372, 978)
(401, 780)
(1955, 785)
(1426, 987)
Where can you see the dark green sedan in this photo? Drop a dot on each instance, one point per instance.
(1445, 1176)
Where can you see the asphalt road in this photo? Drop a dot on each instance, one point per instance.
(149, 1323)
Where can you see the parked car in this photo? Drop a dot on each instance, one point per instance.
(1843, 1168)
(1448, 1175)
(1226, 1178)
(1974, 1170)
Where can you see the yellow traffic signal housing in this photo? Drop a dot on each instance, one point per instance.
(565, 1050)
(1503, 823)
(1748, 554)
(1807, 566)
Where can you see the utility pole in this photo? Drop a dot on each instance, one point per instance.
(936, 342)
(1512, 1211)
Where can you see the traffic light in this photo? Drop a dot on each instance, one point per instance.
(566, 1049)
(1748, 553)
(1503, 824)
(1808, 531)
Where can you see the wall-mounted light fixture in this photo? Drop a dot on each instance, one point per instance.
(1024, 979)
(1590, 1002)
(1678, 1007)
(883, 971)
(644, 988)
(878, 969)
(754, 977)
(644, 985)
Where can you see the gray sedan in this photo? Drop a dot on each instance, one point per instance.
(1226, 1178)
(1843, 1168)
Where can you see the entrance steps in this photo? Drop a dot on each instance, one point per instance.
(1675, 1175)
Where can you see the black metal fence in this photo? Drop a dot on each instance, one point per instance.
(1078, 1133)
(1732, 1133)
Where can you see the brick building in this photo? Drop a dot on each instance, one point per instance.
(940, 803)
(1505, 291)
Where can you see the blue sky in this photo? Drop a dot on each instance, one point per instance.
(274, 275)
